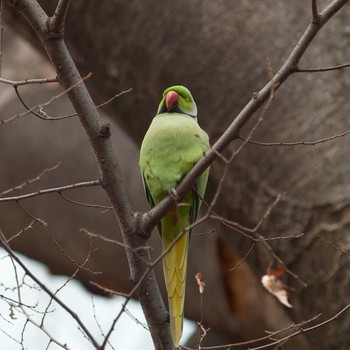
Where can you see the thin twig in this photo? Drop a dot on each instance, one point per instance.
(114, 97)
(82, 266)
(243, 259)
(104, 207)
(16, 83)
(297, 143)
(264, 338)
(29, 227)
(98, 323)
(333, 245)
(44, 225)
(303, 330)
(30, 181)
(51, 190)
(322, 69)
(41, 114)
(43, 287)
(114, 241)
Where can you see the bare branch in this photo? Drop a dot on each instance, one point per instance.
(82, 266)
(16, 83)
(27, 182)
(114, 241)
(304, 330)
(322, 69)
(270, 335)
(104, 207)
(114, 97)
(56, 23)
(297, 143)
(44, 225)
(315, 14)
(333, 245)
(43, 287)
(243, 259)
(41, 114)
(51, 190)
(29, 227)
(98, 324)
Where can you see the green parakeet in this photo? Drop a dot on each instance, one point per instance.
(172, 145)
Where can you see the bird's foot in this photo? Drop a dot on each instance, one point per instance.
(173, 194)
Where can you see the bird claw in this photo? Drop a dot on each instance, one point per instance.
(173, 194)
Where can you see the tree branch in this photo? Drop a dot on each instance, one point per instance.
(30, 181)
(51, 190)
(57, 22)
(315, 14)
(322, 69)
(43, 287)
(303, 330)
(296, 143)
(28, 81)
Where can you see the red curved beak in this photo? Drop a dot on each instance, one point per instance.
(171, 100)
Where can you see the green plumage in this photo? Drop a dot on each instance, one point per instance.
(172, 145)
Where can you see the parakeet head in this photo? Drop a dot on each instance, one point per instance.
(178, 99)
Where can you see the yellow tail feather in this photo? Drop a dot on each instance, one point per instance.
(175, 267)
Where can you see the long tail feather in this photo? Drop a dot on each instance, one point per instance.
(175, 267)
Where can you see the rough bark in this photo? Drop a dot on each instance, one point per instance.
(219, 50)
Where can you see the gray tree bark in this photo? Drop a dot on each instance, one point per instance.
(219, 50)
